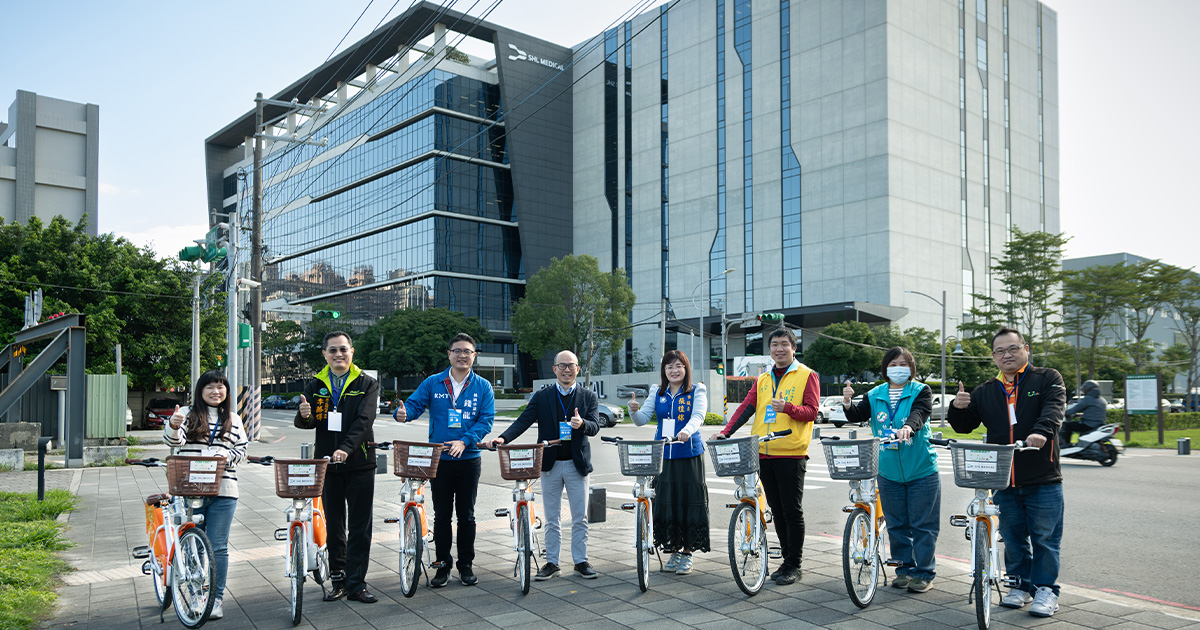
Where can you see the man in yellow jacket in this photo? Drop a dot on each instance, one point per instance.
(784, 398)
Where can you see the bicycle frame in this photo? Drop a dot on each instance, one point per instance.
(300, 514)
(864, 493)
(523, 495)
(983, 513)
(744, 494)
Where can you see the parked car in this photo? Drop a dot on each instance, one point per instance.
(385, 405)
(838, 418)
(159, 410)
(274, 402)
(128, 419)
(610, 415)
(1116, 403)
(1172, 407)
(825, 409)
(294, 403)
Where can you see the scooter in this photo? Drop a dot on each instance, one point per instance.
(1098, 445)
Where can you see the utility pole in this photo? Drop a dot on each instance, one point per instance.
(231, 303)
(591, 347)
(195, 332)
(662, 336)
(256, 252)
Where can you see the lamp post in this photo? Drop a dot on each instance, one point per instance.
(941, 303)
(704, 279)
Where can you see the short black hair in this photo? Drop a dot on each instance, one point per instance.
(785, 333)
(336, 333)
(899, 352)
(1007, 331)
(462, 337)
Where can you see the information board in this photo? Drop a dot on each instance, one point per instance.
(1141, 394)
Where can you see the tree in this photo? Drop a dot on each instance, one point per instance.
(311, 349)
(571, 305)
(921, 342)
(844, 351)
(1184, 303)
(1091, 298)
(280, 347)
(1154, 282)
(971, 368)
(415, 341)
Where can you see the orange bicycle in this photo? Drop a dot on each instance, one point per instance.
(414, 463)
(522, 464)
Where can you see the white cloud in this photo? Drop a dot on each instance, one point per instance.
(166, 240)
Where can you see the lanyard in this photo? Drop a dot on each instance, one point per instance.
(1012, 397)
(775, 382)
(213, 435)
(559, 396)
(336, 385)
(892, 409)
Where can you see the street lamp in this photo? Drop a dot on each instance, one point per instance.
(957, 350)
(704, 279)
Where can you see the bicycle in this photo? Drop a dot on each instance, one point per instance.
(522, 465)
(301, 480)
(864, 540)
(738, 458)
(986, 468)
(179, 556)
(643, 460)
(414, 463)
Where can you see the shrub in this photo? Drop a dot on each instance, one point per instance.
(1171, 421)
(738, 387)
(714, 419)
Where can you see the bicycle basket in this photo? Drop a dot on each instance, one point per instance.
(985, 466)
(640, 458)
(520, 461)
(416, 460)
(735, 456)
(852, 459)
(299, 478)
(194, 476)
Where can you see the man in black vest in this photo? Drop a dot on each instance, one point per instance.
(569, 413)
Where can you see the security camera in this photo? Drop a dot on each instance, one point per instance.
(246, 282)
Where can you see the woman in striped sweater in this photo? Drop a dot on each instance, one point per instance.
(210, 428)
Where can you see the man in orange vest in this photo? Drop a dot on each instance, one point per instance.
(784, 398)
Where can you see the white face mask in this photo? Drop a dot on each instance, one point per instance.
(898, 374)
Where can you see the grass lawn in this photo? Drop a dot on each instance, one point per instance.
(30, 538)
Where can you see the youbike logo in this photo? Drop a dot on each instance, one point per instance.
(521, 55)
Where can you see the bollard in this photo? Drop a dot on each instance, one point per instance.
(597, 502)
(853, 434)
(43, 444)
(937, 435)
(1184, 445)
(816, 434)
(381, 464)
(305, 450)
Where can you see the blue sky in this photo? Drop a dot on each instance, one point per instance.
(166, 75)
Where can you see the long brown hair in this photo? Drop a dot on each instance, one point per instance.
(196, 423)
(670, 357)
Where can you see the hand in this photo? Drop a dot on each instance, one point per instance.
(575, 420)
(1035, 439)
(305, 408)
(339, 456)
(778, 404)
(847, 394)
(720, 436)
(683, 436)
(457, 447)
(904, 433)
(962, 399)
(634, 405)
(401, 414)
(496, 441)
(176, 418)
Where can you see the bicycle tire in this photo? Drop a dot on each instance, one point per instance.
(747, 556)
(982, 583)
(410, 551)
(299, 550)
(643, 546)
(195, 578)
(159, 574)
(860, 563)
(524, 548)
(320, 572)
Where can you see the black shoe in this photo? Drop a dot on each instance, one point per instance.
(337, 592)
(442, 576)
(778, 572)
(363, 596)
(467, 576)
(547, 571)
(791, 576)
(585, 571)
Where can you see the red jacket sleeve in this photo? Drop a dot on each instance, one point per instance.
(744, 412)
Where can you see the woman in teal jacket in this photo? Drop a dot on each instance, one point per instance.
(909, 487)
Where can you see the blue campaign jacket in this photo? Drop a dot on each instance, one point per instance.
(907, 462)
(675, 412)
(476, 402)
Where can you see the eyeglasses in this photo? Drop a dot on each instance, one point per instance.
(1011, 350)
(566, 366)
(341, 350)
(462, 352)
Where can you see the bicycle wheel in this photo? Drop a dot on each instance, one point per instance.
(158, 573)
(747, 552)
(297, 570)
(860, 563)
(320, 572)
(643, 545)
(524, 548)
(195, 578)
(410, 551)
(982, 587)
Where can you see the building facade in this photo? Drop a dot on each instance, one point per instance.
(49, 160)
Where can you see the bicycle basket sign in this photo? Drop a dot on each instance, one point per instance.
(203, 466)
(302, 475)
(980, 461)
(846, 456)
(420, 456)
(641, 454)
(520, 458)
(728, 454)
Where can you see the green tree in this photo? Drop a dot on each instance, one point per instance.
(844, 350)
(971, 368)
(571, 305)
(1153, 284)
(280, 345)
(1171, 361)
(414, 341)
(1184, 304)
(1091, 299)
(921, 342)
(314, 334)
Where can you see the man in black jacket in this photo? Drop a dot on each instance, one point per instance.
(570, 413)
(1024, 403)
(340, 402)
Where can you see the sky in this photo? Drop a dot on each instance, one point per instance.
(167, 75)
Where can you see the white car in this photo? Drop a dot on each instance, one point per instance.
(836, 414)
(827, 408)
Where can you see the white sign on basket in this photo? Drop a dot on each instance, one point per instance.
(419, 462)
(843, 451)
(202, 478)
(302, 469)
(981, 456)
(728, 454)
(981, 466)
(302, 481)
(420, 451)
(641, 459)
(519, 464)
(641, 449)
(845, 462)
(203, 466)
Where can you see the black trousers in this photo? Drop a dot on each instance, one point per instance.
(783, 481)
(349, 494)
(1074, 426)
(454, 491)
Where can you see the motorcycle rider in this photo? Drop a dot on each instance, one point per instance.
(1092, 407)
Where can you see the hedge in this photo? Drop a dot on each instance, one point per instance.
(1171, 421)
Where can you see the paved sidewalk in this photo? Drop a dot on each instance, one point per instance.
(109, 591)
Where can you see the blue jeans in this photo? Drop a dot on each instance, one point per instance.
(913, 512)
(1031, 522)
(218, 517)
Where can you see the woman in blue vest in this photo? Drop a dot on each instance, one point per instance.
(909, 487)
(681, 504)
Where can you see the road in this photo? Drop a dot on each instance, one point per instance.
(1122, 524)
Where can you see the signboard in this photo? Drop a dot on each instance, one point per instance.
(1141, 394)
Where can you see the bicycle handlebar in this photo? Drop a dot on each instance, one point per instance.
(613, 439)
(492, 447)
(1018, 445)
(762, 438)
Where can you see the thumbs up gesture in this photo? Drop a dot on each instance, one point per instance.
(305, 408)
(401, 414)
(176, 418)
(962, 398)
(576, 421)
(634, 405)
(847, 394)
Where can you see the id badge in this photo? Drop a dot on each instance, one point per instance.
(455, 419)
(894, 446)
(769, 415)
(334, 421)
(1012, 415)
(564, 431)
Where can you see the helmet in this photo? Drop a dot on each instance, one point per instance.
(1088, 387)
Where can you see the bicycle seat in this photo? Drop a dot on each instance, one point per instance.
(155, 499)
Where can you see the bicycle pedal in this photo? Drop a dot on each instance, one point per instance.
(999, 539)
(774, 553)
(141, 553)
(959, 520)
(732, 505)
(391, 519)
(768, 517)
(1011, 581)
(893, 563)
(628, 506)
(501, 512)
(146, 569)
(281, 533)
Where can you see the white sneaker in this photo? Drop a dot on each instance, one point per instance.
(672, 564)
(1045, 602)
(1016, 598)
(217, 612)
(685, 564)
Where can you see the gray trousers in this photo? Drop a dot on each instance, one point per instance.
(565, 475)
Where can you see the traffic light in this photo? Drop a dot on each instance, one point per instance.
(770, 317)
(327, 314)
(191, 253)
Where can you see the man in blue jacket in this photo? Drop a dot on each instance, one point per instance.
(461, 410)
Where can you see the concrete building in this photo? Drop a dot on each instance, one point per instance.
(49, 160)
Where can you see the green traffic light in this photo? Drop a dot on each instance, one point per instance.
(191, 253)
(327, 314)
(770, 317)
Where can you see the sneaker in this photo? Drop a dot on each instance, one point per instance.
(467, 576)
(919, 585)
(778, 572)
(547, 571)
(217, 612)
(585, 570)
(685, 564)
(672, 564)
(442, 576)
(1045, 602)
(791, 576)
(901, 581)
(1016, 598)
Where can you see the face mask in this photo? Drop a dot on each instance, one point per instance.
(898, 374)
